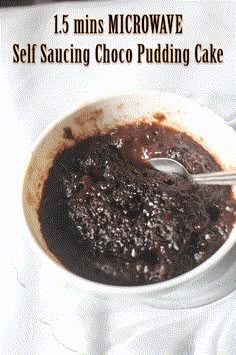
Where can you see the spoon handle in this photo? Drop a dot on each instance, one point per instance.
(216, 178)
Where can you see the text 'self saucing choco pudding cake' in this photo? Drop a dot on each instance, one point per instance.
(109, 217)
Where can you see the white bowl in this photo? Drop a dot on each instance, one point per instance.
(207, 282)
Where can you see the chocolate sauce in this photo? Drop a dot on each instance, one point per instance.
(110, 218)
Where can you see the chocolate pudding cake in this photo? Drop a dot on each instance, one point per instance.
(111, 218)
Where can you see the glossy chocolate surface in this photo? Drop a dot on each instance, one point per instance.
(109, 217)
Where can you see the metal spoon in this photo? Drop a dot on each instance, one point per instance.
(171, 166)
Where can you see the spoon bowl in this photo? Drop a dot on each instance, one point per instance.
(171, 166)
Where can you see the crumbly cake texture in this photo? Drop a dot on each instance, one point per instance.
(109, 217)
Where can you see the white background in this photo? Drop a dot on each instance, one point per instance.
(35, 311)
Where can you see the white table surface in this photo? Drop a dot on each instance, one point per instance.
(38, 315)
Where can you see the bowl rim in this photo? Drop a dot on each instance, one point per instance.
(107, 289)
